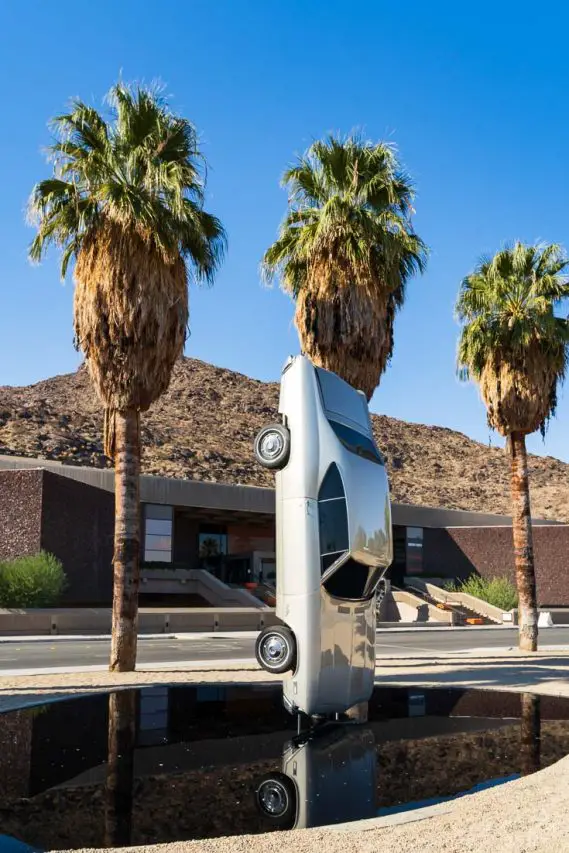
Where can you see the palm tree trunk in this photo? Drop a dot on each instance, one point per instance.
(523, 544)
(530, 734)
(120, 769)
(127, 541)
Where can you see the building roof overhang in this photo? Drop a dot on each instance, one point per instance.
(247, 500)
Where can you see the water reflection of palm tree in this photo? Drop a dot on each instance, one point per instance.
(120, 768)
(530, 734)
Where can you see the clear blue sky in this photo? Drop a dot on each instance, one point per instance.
(474, 95)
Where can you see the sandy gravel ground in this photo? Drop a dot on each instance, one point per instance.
(19, 691)
(524, 816)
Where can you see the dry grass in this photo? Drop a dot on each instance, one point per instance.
(130, 316)
(344, 326)
(518, 400)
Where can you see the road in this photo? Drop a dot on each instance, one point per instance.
(46, 654)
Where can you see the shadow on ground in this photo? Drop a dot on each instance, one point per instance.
(543, 674)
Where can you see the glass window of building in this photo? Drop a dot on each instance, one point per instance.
(414, 551)
(212, 550)
(158, 525)
(269, 571)
(212, 540)
(153, 715)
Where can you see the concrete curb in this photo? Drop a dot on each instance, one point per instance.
(68, 638)
(239, 664)
(197, 635)
(241, 635)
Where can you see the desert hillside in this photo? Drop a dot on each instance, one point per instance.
(204, 426)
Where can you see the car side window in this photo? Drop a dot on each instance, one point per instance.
(353, 581)
(332, 518)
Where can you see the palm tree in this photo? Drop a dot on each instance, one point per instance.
(126, 203)
(516, 348)
(120, 768)
(345, 252)
(530, 733)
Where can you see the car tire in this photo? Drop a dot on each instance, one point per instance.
(275, 799)
(275, 649)
(272, 446)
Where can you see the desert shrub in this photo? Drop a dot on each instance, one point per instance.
(500, 592)
(35, 581)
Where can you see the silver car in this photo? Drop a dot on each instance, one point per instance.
(333, 540)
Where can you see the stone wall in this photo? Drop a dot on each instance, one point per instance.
(244, 538)
(77, 526)
(488, 551)
(20, 513)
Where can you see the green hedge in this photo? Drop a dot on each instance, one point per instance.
(500, 591)
(35, 581)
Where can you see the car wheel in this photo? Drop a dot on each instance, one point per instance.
(275, 649)
(275, 798)
(272, 446)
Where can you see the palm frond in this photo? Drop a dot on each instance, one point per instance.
(512, 342)
(345, 252)
(141, 167)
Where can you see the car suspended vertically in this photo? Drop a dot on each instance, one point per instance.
(333, 540)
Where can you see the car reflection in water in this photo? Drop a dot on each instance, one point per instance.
(328, 777)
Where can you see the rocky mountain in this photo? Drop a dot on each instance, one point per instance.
(203, 429)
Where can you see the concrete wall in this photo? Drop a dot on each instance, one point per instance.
(93, 620)
(77, 526)
(402, 606)
(196, 582)
(460, 551)
(20, 513)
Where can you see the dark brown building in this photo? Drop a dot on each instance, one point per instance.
(225, 534)
(41, 510)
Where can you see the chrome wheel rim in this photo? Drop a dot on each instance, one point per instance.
(271, 445)
(273, 798)
(274, 650)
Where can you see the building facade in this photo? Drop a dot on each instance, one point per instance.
(200, 539)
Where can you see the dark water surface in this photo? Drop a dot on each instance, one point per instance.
(164, 764)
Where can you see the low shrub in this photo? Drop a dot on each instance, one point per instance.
(35, 581)
(500, 592)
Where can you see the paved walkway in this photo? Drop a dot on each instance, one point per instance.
(545, 672)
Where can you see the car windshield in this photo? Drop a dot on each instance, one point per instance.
(341, 399)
